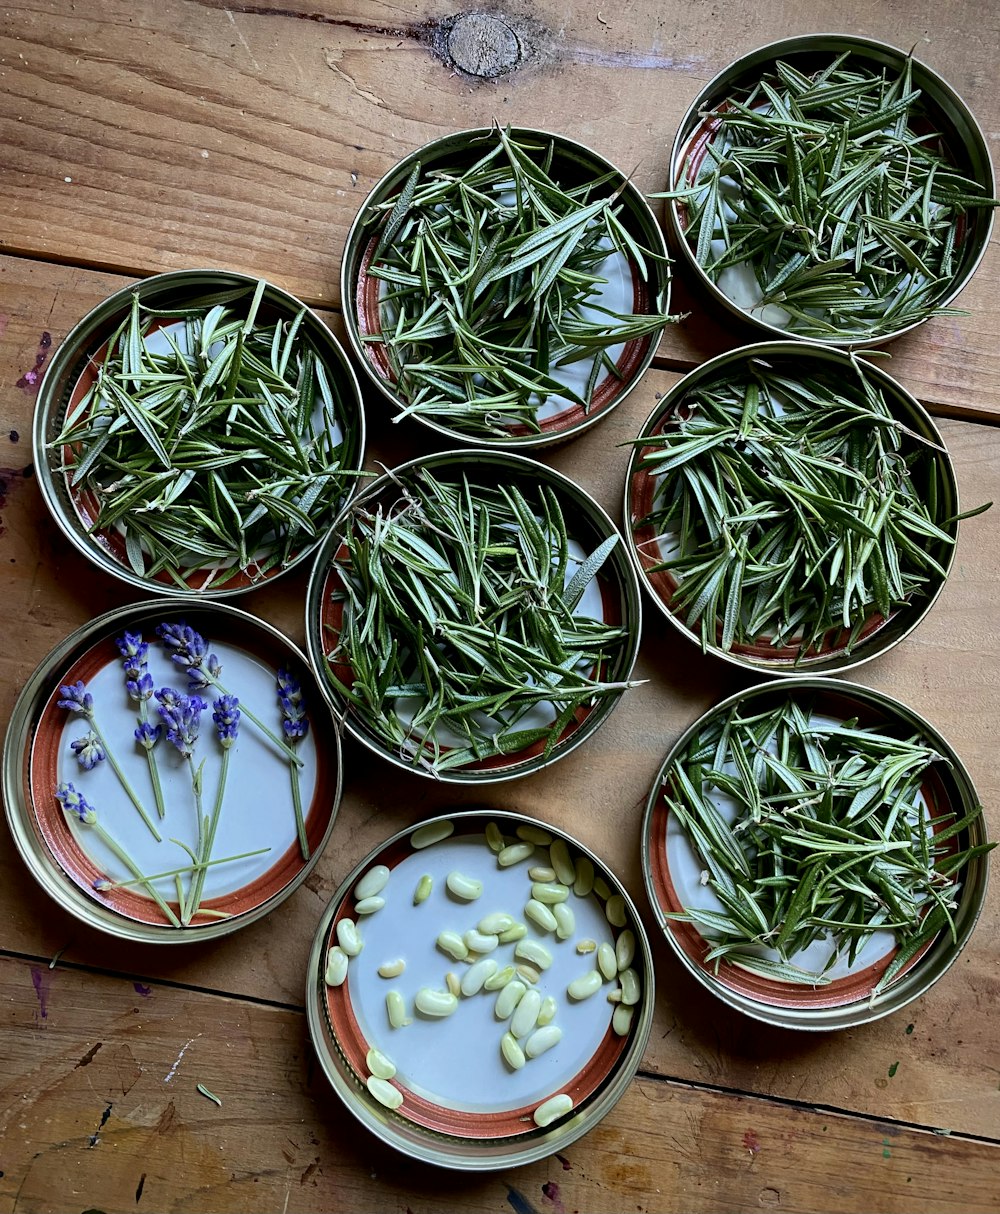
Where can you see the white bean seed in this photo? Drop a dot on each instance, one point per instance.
(561, 862)
(552, 1109)
(493, 925)
(384, 1092)
(336, 966)
(602, 889)
(423, 890)
(479, 942)
(539, 913)
(584, 882)
(433, 832)
(348, 938)
(395, 1006)
(517, 932)
(526, 1014)
(512, 1052)
(508, 999)
(392, 969)
(541, 872)
(615, 911)
(631, 990)
(474, 978)
(381, 1066)
(452, 983)
(625, 949)
(494, 838)
(621, 1020)
(372, 883)
(514, 853)
(534, 834)
(500, 979)
(586, 946)
(615, 996)
(435, 1003)
(565, 920)
(549, 891)
(466, 888)
(453, 944)
(586, 985)
(542, 1039)
(368, 906)
(533, 952)
(606, 961)
(528, 973)
(547, 1012)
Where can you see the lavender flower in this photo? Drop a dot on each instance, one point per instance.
(131, 645)
(290, 697)
(182, 716)
(77, 698)
(140, 688)
(148, 735)
(200, 677)
(89, 751)
(227, 719)
(74, 802)
(190, 650)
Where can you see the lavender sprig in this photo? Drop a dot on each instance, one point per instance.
(190, 650)
(227, 725)
(295, 724)
(139, 685)
(74, 802)
(76, 698)
(181, 715)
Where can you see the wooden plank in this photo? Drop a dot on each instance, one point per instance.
(251, 139)
(99, 1109)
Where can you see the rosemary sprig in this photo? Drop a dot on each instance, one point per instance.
(815, 829)
(461, 638)
(490, 277)
(211, 442)
(827, 202)
(791, 508)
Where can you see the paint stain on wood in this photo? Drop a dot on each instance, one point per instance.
(40, 981)
(95, 1137)
(550, 1191)
(518, 1202)
(567, 1166)
(88, 1058)
(751, 1142)
(29, 380)
(139, 1188)
(144, 991)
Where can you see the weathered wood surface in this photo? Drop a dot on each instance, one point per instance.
(99, 1110)
(202, 132)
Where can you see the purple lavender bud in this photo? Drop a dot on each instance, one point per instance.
(77, 698)
(227, 719)
(132, 647)
(74, 802)
(183, 721)
(141, 688)
(168, 698)
(101, 884)
(148, 735)
(290, 697)
(89, 751)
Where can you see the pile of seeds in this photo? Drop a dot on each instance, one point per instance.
(461, 618)
(210, 441)
(833, 190)
(492, 274)
(813, 828)
(792, 508)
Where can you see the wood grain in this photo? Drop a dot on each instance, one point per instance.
(99, 1109)
(185, 133)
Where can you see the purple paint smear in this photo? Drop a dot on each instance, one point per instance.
(144, 991)
(39, 980)
(550, 1191)
(29, 380)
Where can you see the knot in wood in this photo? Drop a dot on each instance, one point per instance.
(483, 44)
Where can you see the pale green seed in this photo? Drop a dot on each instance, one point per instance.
(625, 949)
(552, 1109)
(395, 1006)
(493, 837)
(435, 1003)
(621, 1020)
(534, 953)
(474, 978)
(384, 1092)
(549, 891)
(433, 832)
(565, 920)
(615, 996)
(528, 972)
(348, 938)
(584, 882)
(336, 966)
(586, 946)
(466, 888)
(615, 911)
(493, 925)
(586, 985)
(517, 932)
(606, 961)
(452, 983)
(452, 944)
(373, 882)
(631, 988)
(508, 999)
(526, 1014)
(541, 872)
(602, 889)
(368, 906)
(423, 890)
(539, 913)
(392, 969)
(561, 862)
(514, 853)
(381, 1066)
(512, 1053)
(547, 1012)
(542, 1039)
(478, 942)
(500, 979)
(534, 834)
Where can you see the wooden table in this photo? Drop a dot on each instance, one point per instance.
(142, 136)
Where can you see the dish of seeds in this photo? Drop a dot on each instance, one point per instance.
(512, 282)
(207, 445)
(792, 508)
(829, 194)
